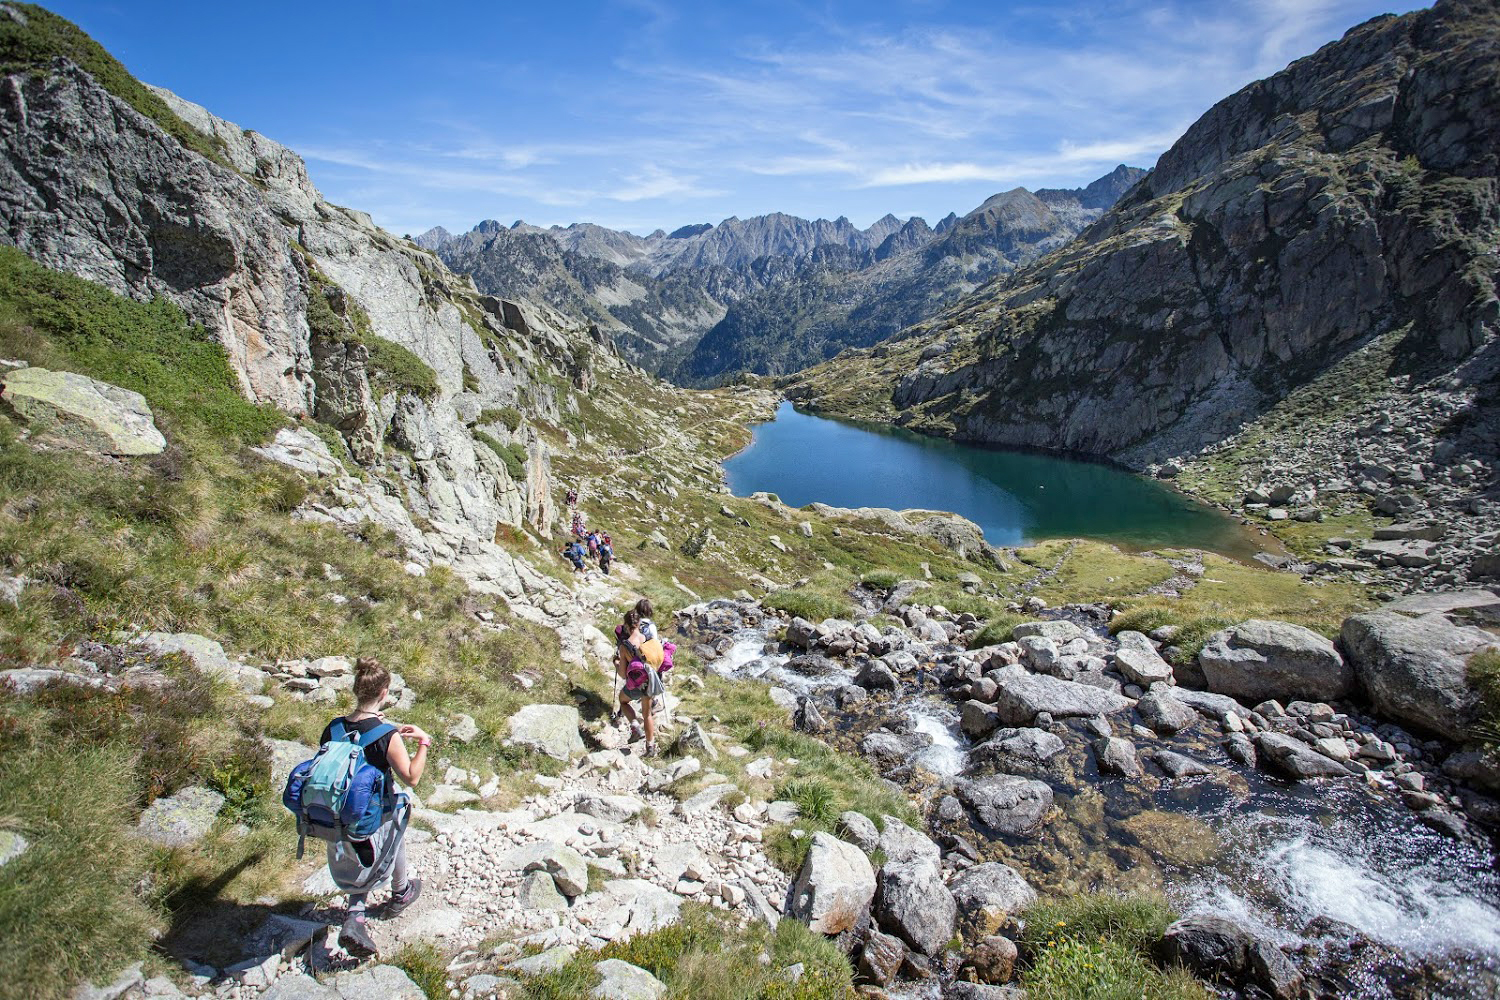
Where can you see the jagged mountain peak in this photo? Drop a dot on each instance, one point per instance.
(433, 238)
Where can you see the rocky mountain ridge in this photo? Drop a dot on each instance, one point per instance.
(1340, 213)
(845, 301)
(740, 286)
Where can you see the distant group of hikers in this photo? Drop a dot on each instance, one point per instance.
(587, 543)
(346, 794)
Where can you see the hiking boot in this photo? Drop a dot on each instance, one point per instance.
(354, 937)
(636, 732)
(401, 900)
(650, 750)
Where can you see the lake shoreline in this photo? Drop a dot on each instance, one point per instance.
(1027, 515)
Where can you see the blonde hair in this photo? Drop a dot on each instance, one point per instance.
(370, 678)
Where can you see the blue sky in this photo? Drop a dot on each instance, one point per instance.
(644, 113)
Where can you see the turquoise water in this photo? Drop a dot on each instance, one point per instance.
(1016, 497)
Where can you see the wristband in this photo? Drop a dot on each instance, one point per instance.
(424, 743)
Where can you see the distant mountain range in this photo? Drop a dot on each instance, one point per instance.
(773, 293)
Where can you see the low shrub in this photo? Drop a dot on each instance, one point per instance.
(393, 368)
(512, 455)
(881, 579)
(807, 604)
(1000, 628)
(507, 415)
(1484, 677)
(1097, 947)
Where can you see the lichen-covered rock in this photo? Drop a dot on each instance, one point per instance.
(1009, 804)
(208, 656)
(1022, 695)
(623, 981)
(550, 729)
(181, 820)
(834, 887)
(1259, 659)
(913, 904)
(380, 982)
(1415, 669)
(83, 411)
(987, 894)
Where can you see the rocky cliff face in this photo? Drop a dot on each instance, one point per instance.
(1350, 195)
(1343, 212)
(321, 312)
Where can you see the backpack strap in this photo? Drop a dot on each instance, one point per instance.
(375, 735)
(337, 731)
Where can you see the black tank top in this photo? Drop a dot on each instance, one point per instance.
(375, 753)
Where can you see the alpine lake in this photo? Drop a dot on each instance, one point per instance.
(1015, 497)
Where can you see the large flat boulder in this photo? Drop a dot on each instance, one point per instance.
(1021, 695)
(549, 729)
(181, 820)
(834, 887)
(1296, 759)
(1139, 661)
(208, 656)
(83, 411)
(1007, 803)
(1415, 669)
(1258, 659)
(623, 981)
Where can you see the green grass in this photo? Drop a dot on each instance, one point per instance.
(55, 320)
(45, 36)
(1097, 947)
(825, 784)
(393, 368)
(1000, 628)
(68, 906)
(1484, 677)
(707, 956)
(813, 605)
(425, 966)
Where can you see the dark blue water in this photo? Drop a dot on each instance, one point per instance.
(1016, 497)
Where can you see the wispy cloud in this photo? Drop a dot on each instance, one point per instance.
(1038, 95)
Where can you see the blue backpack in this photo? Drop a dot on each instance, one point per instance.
(338, 795)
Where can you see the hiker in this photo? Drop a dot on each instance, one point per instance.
(390, 753)
(606, 554)
(577, 525)
(645, 611)
(572, 498)
(574, 554)
(636, 663)
(593, 540)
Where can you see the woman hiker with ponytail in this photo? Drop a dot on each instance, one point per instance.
(640, 680)
(354, 866)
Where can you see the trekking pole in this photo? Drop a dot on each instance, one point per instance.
(614, 694)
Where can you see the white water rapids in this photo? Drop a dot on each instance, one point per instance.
(1300, 857)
